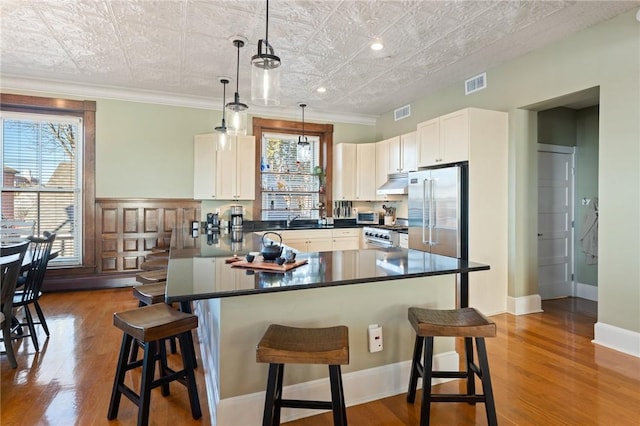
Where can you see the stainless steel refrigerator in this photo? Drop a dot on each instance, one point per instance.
(438, 210)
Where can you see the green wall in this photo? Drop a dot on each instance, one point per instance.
(605, 56)
(587, 148)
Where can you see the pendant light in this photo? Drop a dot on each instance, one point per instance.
(265, 74)
(304, 147)
(238, 119)
(223, 138)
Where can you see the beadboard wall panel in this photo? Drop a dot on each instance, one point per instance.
(127, 230)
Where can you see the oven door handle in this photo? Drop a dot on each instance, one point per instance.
(378, 243)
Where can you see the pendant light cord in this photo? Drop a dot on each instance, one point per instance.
(266, 35)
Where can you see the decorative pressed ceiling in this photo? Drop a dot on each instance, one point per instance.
(171, 51)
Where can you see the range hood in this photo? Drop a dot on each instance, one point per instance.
(396, 184)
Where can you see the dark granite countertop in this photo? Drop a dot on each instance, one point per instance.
(197, 268)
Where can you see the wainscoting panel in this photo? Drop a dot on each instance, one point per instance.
(127, 230)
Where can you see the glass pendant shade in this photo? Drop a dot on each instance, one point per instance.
(238, 111)
(303, 147)
(265, 72)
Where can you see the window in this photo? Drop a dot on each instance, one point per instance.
(290, 178)
(305, 188)
(47, 153)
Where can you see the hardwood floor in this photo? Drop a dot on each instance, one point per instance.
(544, 368)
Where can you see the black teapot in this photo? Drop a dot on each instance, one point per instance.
(271, 251)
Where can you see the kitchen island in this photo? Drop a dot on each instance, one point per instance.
(354, 287)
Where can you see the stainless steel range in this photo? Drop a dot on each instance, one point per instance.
(384, 235)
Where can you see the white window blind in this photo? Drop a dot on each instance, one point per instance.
(290, 184)
(42, 177)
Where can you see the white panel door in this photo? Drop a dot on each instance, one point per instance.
(555, 223)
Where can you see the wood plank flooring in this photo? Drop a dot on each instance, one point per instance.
(545, 371)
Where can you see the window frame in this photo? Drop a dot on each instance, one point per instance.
(324, 131)
(87, 111)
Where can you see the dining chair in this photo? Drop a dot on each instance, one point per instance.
(11, 257)
(30, 293)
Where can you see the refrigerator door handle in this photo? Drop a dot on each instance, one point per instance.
(432, 214)
(424, 209)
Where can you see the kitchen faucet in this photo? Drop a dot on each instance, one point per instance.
(290, 220)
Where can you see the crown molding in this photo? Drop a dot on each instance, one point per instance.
(84, 91)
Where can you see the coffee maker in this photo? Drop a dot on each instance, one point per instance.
(235, 223)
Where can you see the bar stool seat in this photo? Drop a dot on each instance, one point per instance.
(152, 325)
(157, 255)
(291, 345)
(151, 277)
(154, 264)
(150, 294)
(464, 322)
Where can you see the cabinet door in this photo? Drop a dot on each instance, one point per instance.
(204, 167)
(245, 168)
(345, 243)
(314, 244)
(226, 172)
(344, 172)
(395, 155)
(429, 143)
(382, 166)
(366, 178)
(409, 150)
(454, 136)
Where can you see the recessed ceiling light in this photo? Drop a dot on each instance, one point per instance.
(376, 45)
(321, 89)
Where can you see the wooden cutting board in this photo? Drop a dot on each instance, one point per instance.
(268, 266)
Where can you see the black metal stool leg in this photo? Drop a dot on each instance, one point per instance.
(415, 369)
(148, 370)
(427, 369)
(164, 368)
(278, 395)
(190, 377)
(487, 389)
(121, 370)
(337, 396)
(471, 383)
(269, 400)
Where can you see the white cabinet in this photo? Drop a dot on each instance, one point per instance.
(312, 240)
(308, 240)
(344, 171)
(352, 172)
(365, 176)
(223, 175)
(382, 167)
(403, 240)
(236, 170)
(445, 139)
(402, 153)
(204, 172)
(345, 239)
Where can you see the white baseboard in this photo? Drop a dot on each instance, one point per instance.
(586, 291)
(617, 338)
(359, 387)
(524, 305)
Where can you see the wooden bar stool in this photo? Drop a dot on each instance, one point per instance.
(152, 325)
(467, 323)
(290, 345)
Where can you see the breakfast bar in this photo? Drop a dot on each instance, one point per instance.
(356, 288)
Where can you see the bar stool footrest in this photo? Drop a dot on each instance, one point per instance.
(442, 397)
(298, 403)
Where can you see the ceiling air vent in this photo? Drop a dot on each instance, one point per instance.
(402, 112)
(476, 83)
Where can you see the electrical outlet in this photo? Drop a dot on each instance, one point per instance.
(375, 337)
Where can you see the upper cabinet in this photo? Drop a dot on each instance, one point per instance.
(344, 172)
(403, 153)
(352, 172)
(224, 174)
(444, 139)
(204, 172)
